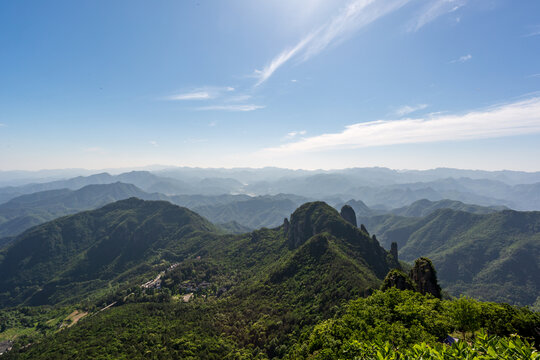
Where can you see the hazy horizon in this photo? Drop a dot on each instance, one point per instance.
(157, 167)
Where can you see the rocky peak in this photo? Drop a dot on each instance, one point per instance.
(286, 226)
(348, 214)
(363, 228)
(313, 218)
(393, 250)
(398, 279)
(424, 276)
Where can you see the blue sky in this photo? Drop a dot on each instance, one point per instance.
(301, 84)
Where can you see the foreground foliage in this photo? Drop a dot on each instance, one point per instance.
(386, 325)
(483, 348)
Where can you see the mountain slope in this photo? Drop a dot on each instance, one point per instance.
(252, 295)
(26, 211)
(425, 207)
(489, 256)
(75, 255)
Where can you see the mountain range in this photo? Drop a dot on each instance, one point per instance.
(377, 187)
(151, 267)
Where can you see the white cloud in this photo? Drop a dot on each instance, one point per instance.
(279, 60)
(433, 10)
(356, 15)
(462, 59)
(204, 93)
(518, 118)
(153, 143)
(407, 109)
(199, 95)
(293, 134)
(240, 107)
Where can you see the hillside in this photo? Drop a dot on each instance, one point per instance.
(247, 212)
(254, 295)
(26, 211)
(74, 256)
(488, 256)
(425, 207)
(299, 271)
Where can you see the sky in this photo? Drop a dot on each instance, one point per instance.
(312, 84)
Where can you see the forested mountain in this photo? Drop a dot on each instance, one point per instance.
(74, 256)
(26, 211)
(488, 256)
(295, 273)
(248, 212)
(271, 293)
(425, 207)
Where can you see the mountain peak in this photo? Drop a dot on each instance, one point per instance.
(348, 214)
(310, 219)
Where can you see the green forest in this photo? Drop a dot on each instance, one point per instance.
(148, 279)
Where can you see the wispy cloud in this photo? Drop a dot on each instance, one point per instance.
(294, 134)
(205, 93)
(198, 95)
(408, 109)
(356, 15)
(239, 107)
(433, 10)
(535, 31)
(462, 59)
(518, 118)
(279, 60)
(153, 143)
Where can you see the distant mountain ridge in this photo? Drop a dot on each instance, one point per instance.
(247, 212)
(26, 211)
(490, 256)
(377, 187)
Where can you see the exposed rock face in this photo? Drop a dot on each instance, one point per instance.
(286, 226)
(397, 279)
(313, 218)
(393, 250)
(424, 276)
(304, 223)
(363, 228)
(348, 214)
(318, 217)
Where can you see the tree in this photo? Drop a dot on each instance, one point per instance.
(465, 315)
